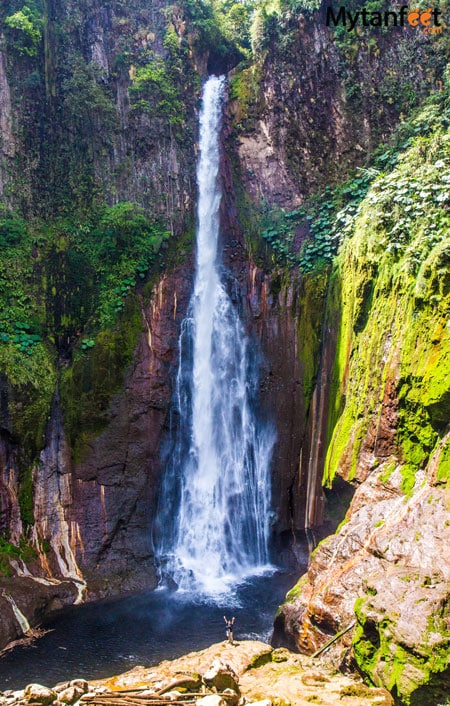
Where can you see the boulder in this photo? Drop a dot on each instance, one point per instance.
(211, 700)
(231, 697)
(221, 676)
(402, 634)
(38, 694)
(70, 695)
(80, 684)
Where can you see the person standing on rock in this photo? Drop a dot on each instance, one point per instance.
(229, 628)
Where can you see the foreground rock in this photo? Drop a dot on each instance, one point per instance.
(386, 569)
(249, 673)
(33, 598)
(264, 676)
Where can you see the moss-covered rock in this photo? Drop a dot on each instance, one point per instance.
(392, 349)
(388, 434)
(402, 639)
(27, 383)
(88, 385)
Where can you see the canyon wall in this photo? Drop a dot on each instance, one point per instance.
(74, 134)
(385, 569)
(351, 356)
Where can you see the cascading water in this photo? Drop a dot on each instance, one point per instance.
(217, 481)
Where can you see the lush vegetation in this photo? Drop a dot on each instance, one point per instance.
(397, 244)
(66, 285)
(24, 28)
(12, 551)
(309, 237)
(59, 277)
(388, 304)
(322, 222)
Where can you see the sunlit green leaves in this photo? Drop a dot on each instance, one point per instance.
(25, 28)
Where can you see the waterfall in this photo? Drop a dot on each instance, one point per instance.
(20, 617)
(213, 521)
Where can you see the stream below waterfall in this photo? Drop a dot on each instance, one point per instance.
(101, 639)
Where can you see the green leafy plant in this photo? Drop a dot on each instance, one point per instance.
(155, 91)
(25, 28)
(87, 343)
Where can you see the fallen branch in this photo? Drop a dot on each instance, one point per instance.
(333, 639)
(120, 698)
(184, 682)
(150, 702)
(188, 695)
(26, 641)
(136, 690)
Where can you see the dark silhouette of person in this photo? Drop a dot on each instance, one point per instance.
(229, 628)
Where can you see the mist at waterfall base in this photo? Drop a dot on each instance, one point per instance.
(101, 639)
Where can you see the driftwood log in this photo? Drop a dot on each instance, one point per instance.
(135, 697)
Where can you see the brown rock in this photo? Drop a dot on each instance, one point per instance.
(221, 676)
(211, 700)
(231, 697)
(38, 694)
(70, 695)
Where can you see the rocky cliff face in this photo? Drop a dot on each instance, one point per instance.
(116, 481)
(74, 134)
(92, 516)
(315, 104)
(352, 365)
(84, 123)
(388, 437)
(287, 319)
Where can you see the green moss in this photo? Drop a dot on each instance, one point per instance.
(388, 470)
(309, 335)
(443, 470)
(7, 551)
(31, 381)
(95, 375)
(260, 660)
(245, 91)
(155, 91)
(11, 551)
(25, 497)
(389, 664)
(297, 589)
(388, 339)
(30, 384)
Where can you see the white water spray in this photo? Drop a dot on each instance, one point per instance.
(217, 482)
(20, 617)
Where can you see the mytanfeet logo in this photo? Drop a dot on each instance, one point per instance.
(429, 21)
